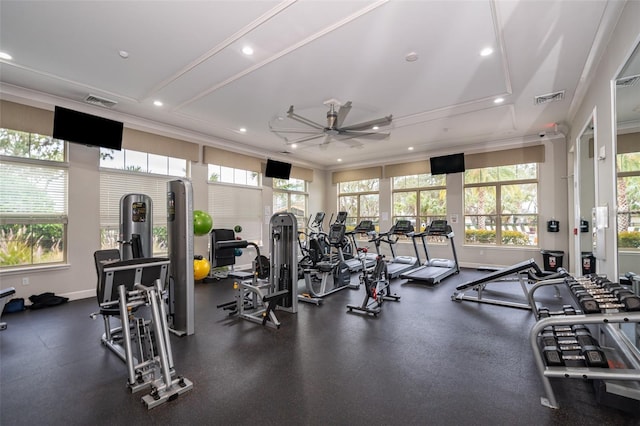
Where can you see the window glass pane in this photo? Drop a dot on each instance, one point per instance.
(22, 245)
(240, 176)
(177, 167)
(46, 148)
(14, 143)
(480, 200)
(349, 204)
(487, 174)
(290, 185)
(628, 162)
(432, 180)
(214, 173)
(433, 202)
(520, 230)
(399, 182)
(629, 212)
(158, 164)
(280, 202)
(404, 203)
(31, 190)
(226, 174)
(517, 172)
(369, 205)
(480, 229)
(112, 158)
(367, 185)
(252, 178)
(519, 198)
(135, 161)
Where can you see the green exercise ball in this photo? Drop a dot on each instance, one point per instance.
(202, 222)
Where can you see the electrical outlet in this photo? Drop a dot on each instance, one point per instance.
(25, 281)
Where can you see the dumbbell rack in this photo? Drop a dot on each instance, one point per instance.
(624, 354)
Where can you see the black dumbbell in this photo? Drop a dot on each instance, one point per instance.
(631, 302)
(589, 305)
(543, 313)
(594, 356)
(568, 310)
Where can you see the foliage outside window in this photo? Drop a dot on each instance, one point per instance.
(361, 200)
(419, 199)
(224, 174)
(291, 196)
(501, 205)
(128, 171)
(33, 199)
(628, 194)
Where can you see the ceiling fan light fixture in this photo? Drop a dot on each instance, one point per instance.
(411, 57)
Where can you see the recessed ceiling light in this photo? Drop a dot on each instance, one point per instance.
(410, 148)
(375, 127)
(123, 54)
(339, 160)
(243, 130)
(158, 103)
(294, 146)
(498, 100)
(247, 50)
(5, 56)
(411, 57)
(486, 51)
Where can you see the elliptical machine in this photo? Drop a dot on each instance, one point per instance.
(332, 275)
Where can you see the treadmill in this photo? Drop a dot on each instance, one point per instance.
(355, 263)
(398, 264)
(435, 270)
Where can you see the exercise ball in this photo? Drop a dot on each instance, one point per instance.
(238, 229)
(237, 252)
(201, 268)
(202, 223)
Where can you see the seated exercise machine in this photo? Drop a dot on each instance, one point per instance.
(133, 291)
(328, 276)
(376, 286)
(435, 270)
(355, 263)
(525, 272)
(4, 298)
(397, 264)
(258, 298)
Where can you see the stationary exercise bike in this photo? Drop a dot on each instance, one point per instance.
(376, 285)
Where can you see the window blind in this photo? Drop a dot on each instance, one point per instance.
(231, 205)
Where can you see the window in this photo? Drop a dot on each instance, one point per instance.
(230, 175)
(419, 199)
(501, 205)
(125, 172)
(33, 199)
(628, 193)
(361, 200)
(235, 198)
(291, 196)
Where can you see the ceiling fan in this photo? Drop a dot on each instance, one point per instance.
(334, 129)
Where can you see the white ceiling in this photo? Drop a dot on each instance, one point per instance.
(188, 55)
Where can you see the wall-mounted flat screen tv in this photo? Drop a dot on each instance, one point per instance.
(453, 163)
(87, 129)
(277, 169)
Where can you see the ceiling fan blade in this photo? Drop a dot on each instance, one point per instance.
(384, 121)
(342, 113)
(325, 144)
(292, 115)
(304, 139)
(301, 131)
(350, 134)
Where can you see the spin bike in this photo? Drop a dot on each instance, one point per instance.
(376, 285)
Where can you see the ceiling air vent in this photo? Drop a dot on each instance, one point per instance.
(549, 97)
(628, 81)
(99, 101)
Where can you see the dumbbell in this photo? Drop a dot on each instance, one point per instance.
(592, 355)
(589, 305)
(631, 302)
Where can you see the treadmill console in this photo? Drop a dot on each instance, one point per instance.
(364, 226)
(342, 217)
(402, 227)
(336, 234)
(438, 227)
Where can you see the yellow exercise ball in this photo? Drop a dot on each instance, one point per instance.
(201, 268)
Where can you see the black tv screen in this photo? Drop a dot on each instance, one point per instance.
(277, 169)
(453, 163)
(87, 129)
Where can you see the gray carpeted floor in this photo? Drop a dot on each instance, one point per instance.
(423, 360)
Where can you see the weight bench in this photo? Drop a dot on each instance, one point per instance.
(4, 298)
(533, 272)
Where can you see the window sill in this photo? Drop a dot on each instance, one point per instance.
(33, 269)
